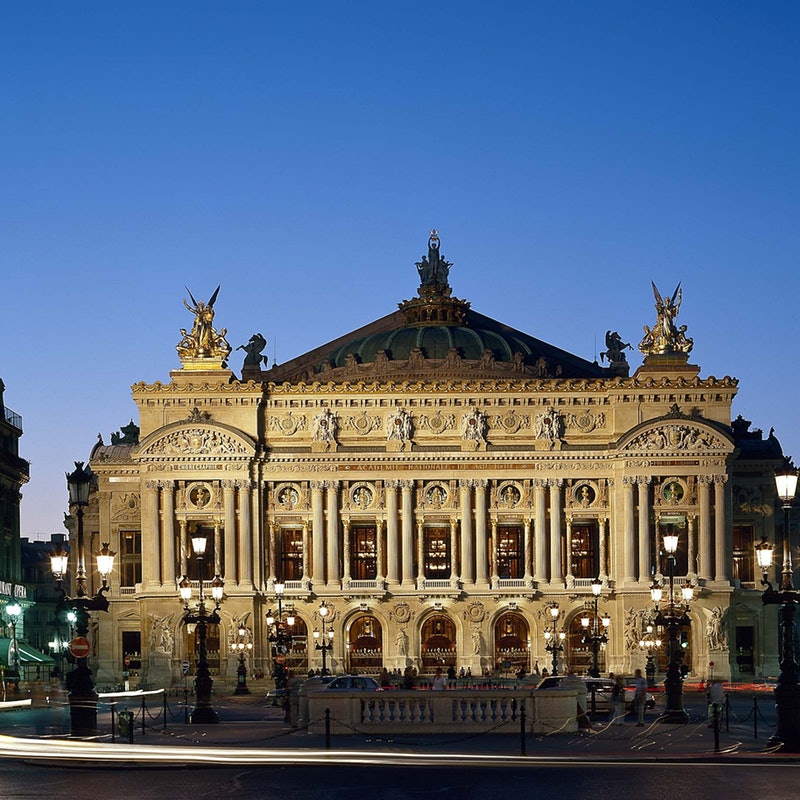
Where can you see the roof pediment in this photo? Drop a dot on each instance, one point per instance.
(183, 440)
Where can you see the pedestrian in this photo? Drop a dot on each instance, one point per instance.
(618, 701)
(439, 680)
(640, 697)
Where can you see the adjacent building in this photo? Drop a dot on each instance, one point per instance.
(439, 481)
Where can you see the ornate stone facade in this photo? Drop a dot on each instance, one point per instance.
(438, 479)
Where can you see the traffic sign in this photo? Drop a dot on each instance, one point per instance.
(80, 647)
(185, 667)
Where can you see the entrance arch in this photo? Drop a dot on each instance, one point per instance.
(438, 643)
(511, 645)
(365, 646)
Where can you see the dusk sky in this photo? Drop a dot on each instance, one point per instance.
(299, 153)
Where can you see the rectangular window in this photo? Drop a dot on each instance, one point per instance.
(291, 554)
(364, 553)
(744, 553)
(130, 558)
(584, 556)
(436, 553)
(509, 552)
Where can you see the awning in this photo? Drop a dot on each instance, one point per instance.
(27, 654)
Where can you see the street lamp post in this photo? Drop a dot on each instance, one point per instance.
(203, 713)
(648, 644)
(553, 639)
(280, 636)
(327, 640)
(598, 636)
(673, 617)
(239, 647)
(80, 686)
(787, 689)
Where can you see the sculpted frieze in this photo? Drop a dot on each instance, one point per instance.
(125, 506)
(437, 423)
(287, 425)
(586, 421)
(677, 437)
(196, 441)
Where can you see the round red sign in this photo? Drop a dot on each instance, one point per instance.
(79, 647)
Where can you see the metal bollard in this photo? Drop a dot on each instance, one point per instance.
(327, 729)
(164, 709)
(716, 727)
(522, 750)
(144, 711)
(755, 716)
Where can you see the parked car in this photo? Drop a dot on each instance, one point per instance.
(602, 692)
(353, 683)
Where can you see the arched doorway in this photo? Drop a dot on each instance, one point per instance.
(511, 645)
(438, 643)
(579, 655)
(365, 646)
(297, 657)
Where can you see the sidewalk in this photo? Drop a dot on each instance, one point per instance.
(251, 722)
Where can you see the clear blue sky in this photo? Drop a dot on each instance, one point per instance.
(299, 153)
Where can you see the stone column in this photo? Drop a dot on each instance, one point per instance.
(706, 568)
(602, 535)
(691, 552)
(629, 531)
(722, 549)
(540, 531)
(420, 553)
(379, 561)
(495, 573)
(218, 548)
(167, 534)
(526, 551)
(346, 576)
(229, 510)
(465, 497)
(644, 529)
(453, 550)
(392, 534)
(570, 578)
(245, 536)
(481, 541)
(184, 550)
(151, 539)
(408, 533)
(317, 534)
(333, 534)
(556, 574)
(306, 548)
(274, 530)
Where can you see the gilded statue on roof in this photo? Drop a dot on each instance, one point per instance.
(664, 337)
(203, 341)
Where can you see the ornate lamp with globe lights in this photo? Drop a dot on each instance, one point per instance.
(554, 639)
(79, 683)
(594, 629)
(201, 618)
(242, 648)
(787, 690)
(673, 616)
(326, 642)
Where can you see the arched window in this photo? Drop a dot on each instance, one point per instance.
(511, 648)
(365, 646)
(438, 643)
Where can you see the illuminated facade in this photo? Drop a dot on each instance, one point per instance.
(438, 480)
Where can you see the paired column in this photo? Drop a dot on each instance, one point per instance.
(333, 534)
(245, 535)
(407, 521)
(151, 537)
(229, 512)
(704, 496)
(644, 528)
(721, 547)
(556, 574)
(629, 531)
(317, 533)
(481, 536)
(392, 535)
(167, 534)
(540, 531)
(467, 558)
